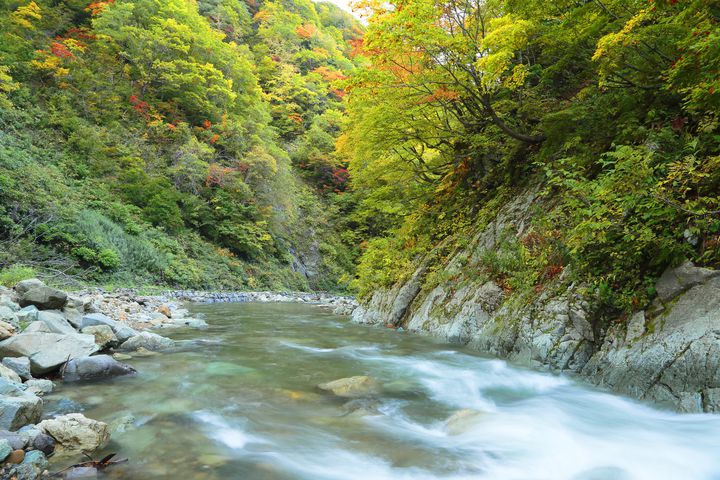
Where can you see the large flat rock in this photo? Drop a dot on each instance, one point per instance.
(48, 351)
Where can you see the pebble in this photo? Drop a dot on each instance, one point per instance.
(16, 456)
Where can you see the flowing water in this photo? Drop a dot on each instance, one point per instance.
(242, 403)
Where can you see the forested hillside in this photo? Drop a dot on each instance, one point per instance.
(608, 109)
(173, 142)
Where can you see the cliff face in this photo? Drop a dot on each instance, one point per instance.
(669, 354)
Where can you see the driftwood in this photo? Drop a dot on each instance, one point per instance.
(106, 461)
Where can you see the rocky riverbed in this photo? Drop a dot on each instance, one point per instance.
(48, 336)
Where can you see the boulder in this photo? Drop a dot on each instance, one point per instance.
(56, 322)
(8, 315)
(19, 365)
(5, 449)
(74, 433)
(7, 330)
(9, 374)
(149, 341)
(37, 327)
(16, 440)
(123, 332)
(39, 386)
(17, 407)
(27, 314)
(104, 335)
(165, 311)
(359, 386)
(93, 319)
(35, 292)
(94, 368)
(47, 351)
(74, 311)
(44, 442)
(675, 281)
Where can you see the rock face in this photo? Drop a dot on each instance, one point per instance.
(74, 433)
(149, 341)
(17, 407)
(95, 368)
(670, 354)
(35, 292)
(47, 351)
(352, 387)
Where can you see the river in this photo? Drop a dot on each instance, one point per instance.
(240, 402)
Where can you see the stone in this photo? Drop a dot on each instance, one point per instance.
(93, 319)
(15, 457)
(27, 314)
(19, 365)
(462, 420)
(149, 341)
(17, 440)
(17, 407)
(32, 467)
(75, 433)
(104, 335)
(8, 315)
(39, 386)
(9, 374)
(74, 311)
(35, 292)
(124, 333)
(676, 280)
(121, 357)
(47, 351)
(165, 310)
(358, 386)
(5, 449)
(144, 352)
(56, 322)
(95, 368)
(37, 326)
(36, 458)
(44, 442)
(81, 473)
(7, 330)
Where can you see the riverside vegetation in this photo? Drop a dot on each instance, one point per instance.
(537, 179)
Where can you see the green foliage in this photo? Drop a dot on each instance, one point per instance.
(16, 273)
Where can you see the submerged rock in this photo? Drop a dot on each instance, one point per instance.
(75, 433)
(47, 351)
(149, 341)
(95, 368)
(35, 292)
(358, 386)
(81, 473)
(462, 420)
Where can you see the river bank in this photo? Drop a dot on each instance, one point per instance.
(49, 336)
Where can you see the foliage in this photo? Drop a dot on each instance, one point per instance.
(16, 273)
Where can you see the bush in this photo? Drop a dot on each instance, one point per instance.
(14, 274)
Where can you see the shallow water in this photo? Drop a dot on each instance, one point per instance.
(243, 404)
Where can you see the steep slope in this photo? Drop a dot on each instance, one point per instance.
(162, 142)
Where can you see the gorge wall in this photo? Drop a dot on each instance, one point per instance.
(668, 354)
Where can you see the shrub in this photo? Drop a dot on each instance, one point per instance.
(14, 274)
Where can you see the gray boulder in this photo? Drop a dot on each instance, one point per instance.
(8, 315)
(680, 279)
(123, 332)
(95, 368)
(35, 292)
(93, 319)
(37, 326)
(47, 351)
(39, 386)
(19, 365)
(16, 440)
(27, 314)
(44, 442)
(148, 341)
(56, 322)
(5, 449)
(9, 374)
(17, 407)
(74, 311)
